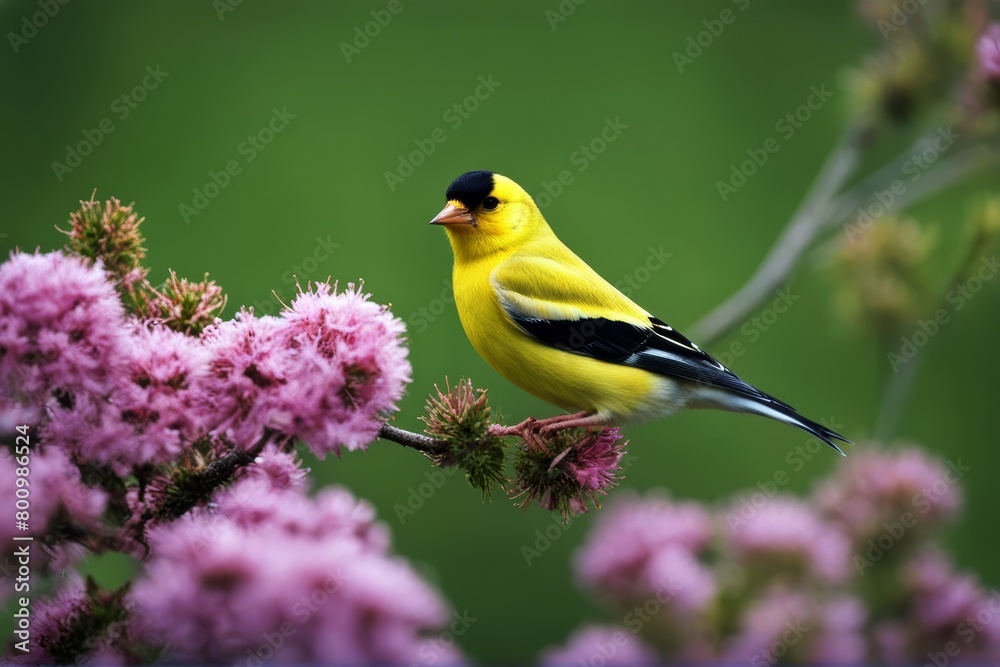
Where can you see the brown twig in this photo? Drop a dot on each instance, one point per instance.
(418, 441)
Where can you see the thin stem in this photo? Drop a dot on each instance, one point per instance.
(793, 242)
(418, 441)
(897, 391)
(203, 483)
(947, 173)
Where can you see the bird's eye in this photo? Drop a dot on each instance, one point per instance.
(490, 203)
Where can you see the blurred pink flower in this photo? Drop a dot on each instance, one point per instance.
(79, 626)
(841, 639)
(308, 582)
(682, 582)
(601, 645)
(773, 626)
(792, 626)
(59, 498)
(988, 52)
(890, 643)
(51, 619)
(875, 487)
(786, 532)
(617, 558)
(939, 605)
(62, 328)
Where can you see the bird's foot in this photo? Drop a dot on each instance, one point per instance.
(535, 431)
(578, 420)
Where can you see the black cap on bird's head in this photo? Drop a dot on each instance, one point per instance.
(471, 188)
(469, 191)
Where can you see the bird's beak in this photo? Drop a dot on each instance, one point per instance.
(453, 215)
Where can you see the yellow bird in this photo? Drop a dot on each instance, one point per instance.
(546, 321)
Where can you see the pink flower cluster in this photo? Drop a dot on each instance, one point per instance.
(988, 52)
(118, 392)
(269, 575)
(58, 496)
(848, 575)
(324, 371)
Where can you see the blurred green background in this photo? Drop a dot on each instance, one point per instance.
(321, 182)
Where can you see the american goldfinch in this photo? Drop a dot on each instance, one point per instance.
(546, 321)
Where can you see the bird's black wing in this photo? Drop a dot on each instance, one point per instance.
(658, 348)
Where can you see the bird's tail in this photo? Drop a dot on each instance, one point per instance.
(774, 409)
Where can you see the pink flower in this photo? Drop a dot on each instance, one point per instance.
(601, 645)
(792, 626)
(890, 643)
(675, 577)
(79, 626)
(988, 52)
(773, 627)
(940, 605)
(841, 639)
(52, 618)
(874, 487)
(282, 471)
(596, 459)
(62, 328)
(563, 471)
(247, 367)
(153, 411)
(325, 371)
(619, 556)
(58, 500)
(266, 562)
(787, 533)
(350, 367)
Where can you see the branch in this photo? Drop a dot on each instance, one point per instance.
(201, 484)
(793, 242)
(418, 441)
(823, 209)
